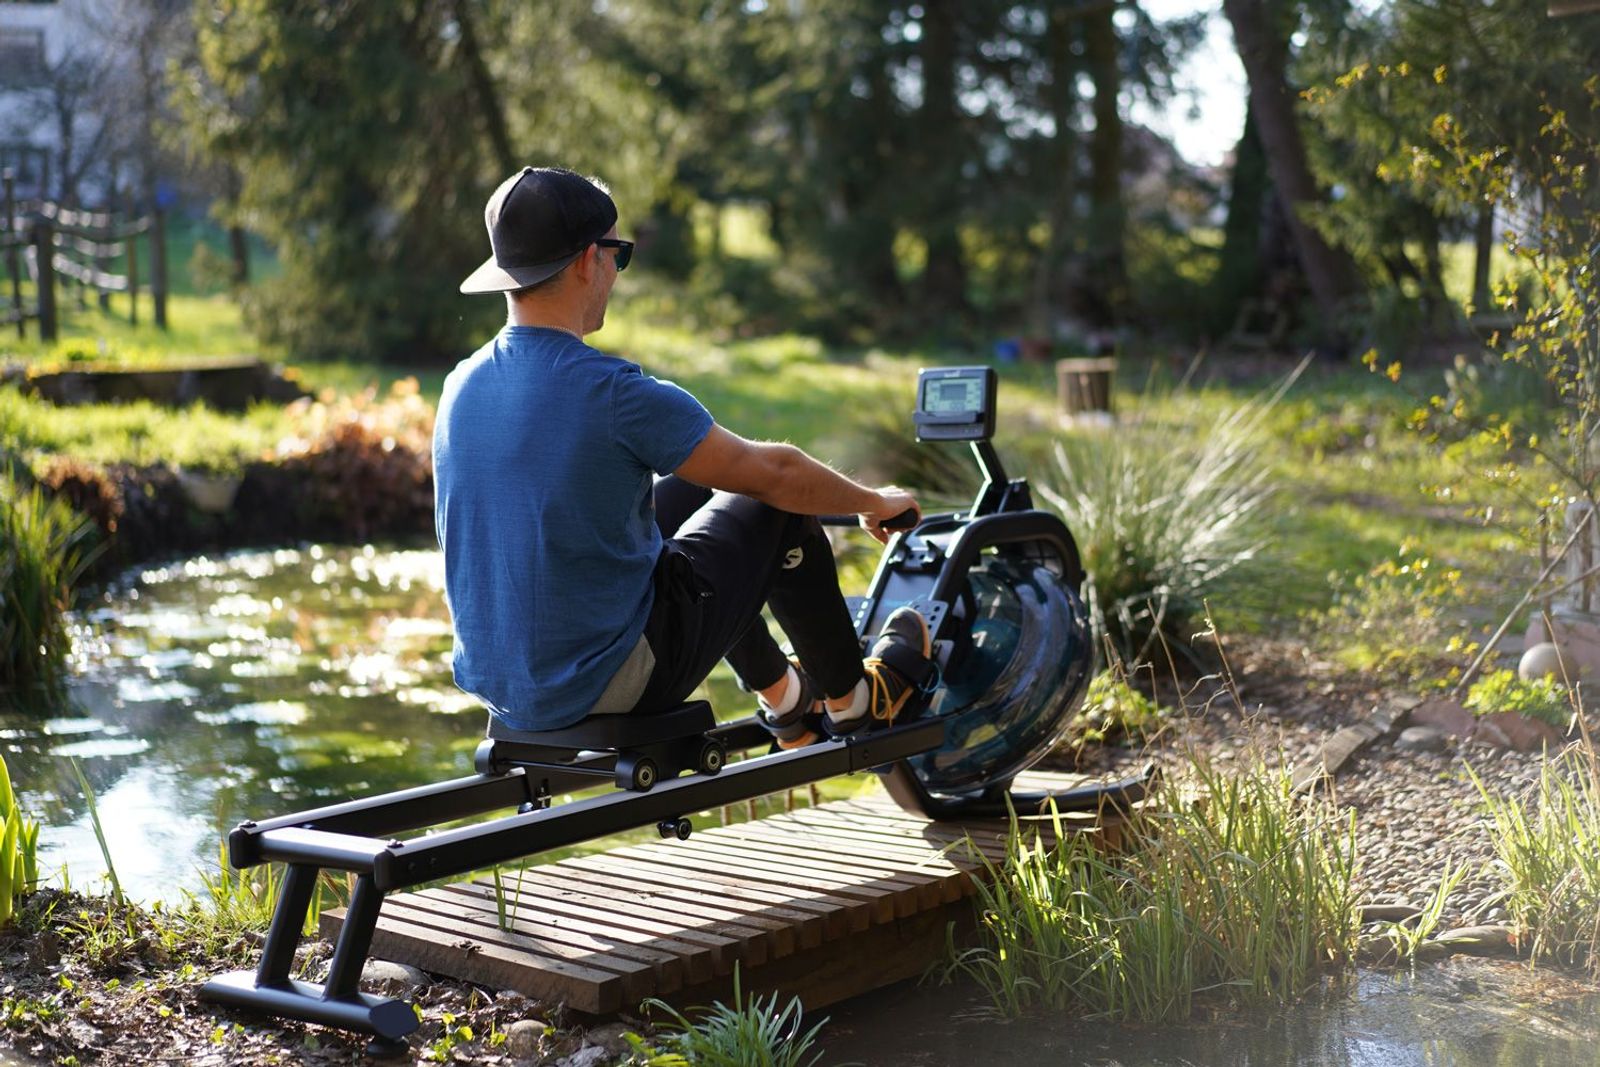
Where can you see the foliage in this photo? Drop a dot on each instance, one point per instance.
(1544, 699)
(1239, 885)
(1547, 849)
(1523, 147)
(1160, 525)
(753, 1032)
(43, 550)
(1113, 710)
(19, 848)
(1400, 619)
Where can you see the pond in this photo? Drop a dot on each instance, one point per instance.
(1461, 1013)
(217, 689)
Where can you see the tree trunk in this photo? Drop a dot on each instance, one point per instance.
(1061, 192)
(1108, 281)
(239, 249)
(1239, 273)
(494, 117)
(1259, 33)
(944, 281)
(1483, 249)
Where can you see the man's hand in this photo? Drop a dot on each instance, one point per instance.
(892, 501)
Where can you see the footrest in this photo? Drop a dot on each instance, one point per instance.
(613, 732)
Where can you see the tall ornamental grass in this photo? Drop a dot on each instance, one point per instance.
(43, 551)
(1240, 888)
(1547, 849)
(1161, 524)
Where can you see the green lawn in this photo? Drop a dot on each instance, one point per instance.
(1355, 484)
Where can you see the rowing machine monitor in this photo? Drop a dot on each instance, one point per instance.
(955, 404)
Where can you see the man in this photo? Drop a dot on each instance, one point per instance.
(579, 584)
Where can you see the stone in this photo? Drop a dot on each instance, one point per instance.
(1478, 941)
(587, 1056)
(1388, 913)
(1516, 732)
(1544, 661)
(1578, 638)
(611, 1037)
(1446, 715)
(1421, 739)
(387, 972)
(523, 1038)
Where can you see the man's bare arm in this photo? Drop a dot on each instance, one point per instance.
(786, 478)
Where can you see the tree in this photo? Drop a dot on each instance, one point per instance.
(1261, 32)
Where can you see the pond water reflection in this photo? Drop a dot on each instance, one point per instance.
(216, 689)
(1462, 1013)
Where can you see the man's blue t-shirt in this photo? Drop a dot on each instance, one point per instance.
(543, 451)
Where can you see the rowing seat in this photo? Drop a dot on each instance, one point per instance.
(635, 751)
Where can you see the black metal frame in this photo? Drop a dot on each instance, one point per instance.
(356, 836)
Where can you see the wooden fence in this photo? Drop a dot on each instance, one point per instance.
(69, 253)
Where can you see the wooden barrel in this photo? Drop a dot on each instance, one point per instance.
(1084, 385)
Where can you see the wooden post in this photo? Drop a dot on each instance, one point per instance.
(158, 265)
(13, 264)
(103, 251)
(45, 248)
(133, 277)
(1084, 385)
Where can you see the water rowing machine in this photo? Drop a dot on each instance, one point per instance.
(999, 584)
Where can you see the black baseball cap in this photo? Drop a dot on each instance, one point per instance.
(540, 219)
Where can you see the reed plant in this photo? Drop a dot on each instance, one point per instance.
(1238, 886)
(99, 833)
(1547, 853)
(19, 849)
(44, 548)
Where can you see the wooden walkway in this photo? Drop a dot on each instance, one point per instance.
(823, 902)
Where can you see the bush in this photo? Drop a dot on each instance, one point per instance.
(43, 551)
(1395, 620)
(1544, 699)
(1115, 711)
(1161, 525)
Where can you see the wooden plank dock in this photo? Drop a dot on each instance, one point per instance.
(822, 902)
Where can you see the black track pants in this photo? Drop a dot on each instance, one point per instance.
(725, 556)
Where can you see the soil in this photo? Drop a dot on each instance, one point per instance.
(70, 992)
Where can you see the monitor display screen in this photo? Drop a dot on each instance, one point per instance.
(952, 396)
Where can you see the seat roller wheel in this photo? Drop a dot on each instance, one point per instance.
(713, 757)
(636, 773)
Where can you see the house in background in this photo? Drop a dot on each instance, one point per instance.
(67, 115)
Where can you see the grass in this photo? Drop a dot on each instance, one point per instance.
(43, 550)
(99, 833)
(1162, 523)
(19, 848)
(140, 433)
(1238, 887)
(1547, 849)
(1358, 482)
(752, 1032)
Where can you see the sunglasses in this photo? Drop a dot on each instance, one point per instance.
(624, 251)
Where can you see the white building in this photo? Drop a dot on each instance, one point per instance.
(66, 67)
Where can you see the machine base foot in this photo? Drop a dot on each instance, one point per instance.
(385, 1048)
